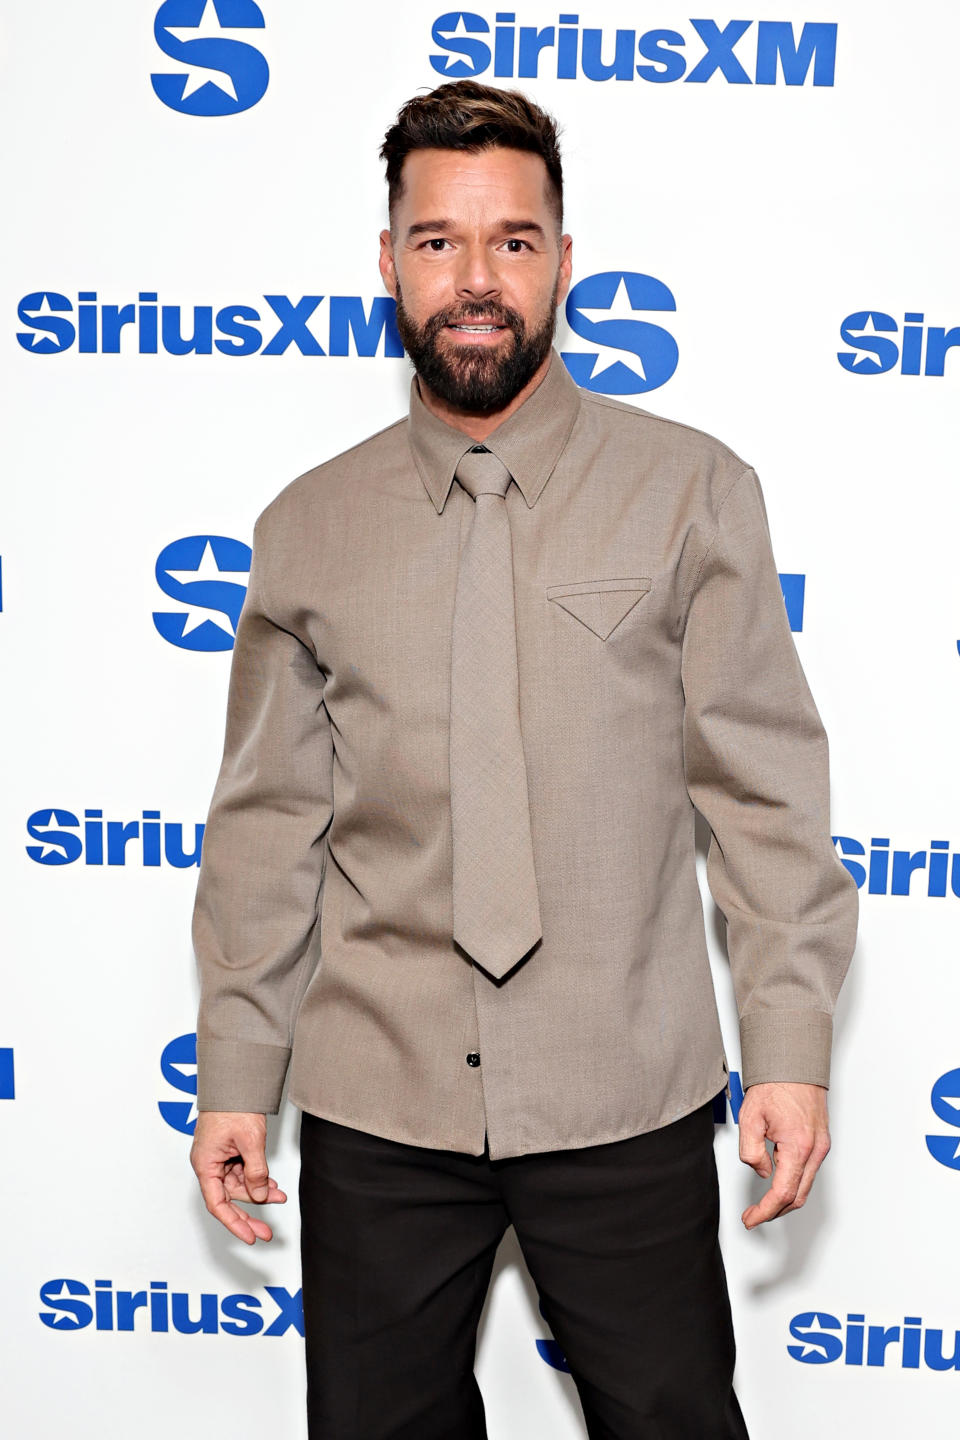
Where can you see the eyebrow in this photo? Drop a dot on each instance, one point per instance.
(508, 227)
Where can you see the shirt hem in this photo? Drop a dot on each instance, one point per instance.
(631, 1131)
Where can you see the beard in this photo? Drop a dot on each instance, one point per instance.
(474, 378)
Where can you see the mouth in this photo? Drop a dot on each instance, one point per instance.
(478, 331)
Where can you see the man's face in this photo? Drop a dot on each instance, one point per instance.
(477, 270)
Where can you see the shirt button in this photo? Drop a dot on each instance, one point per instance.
(473, 1058)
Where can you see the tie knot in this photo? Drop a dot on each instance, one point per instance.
(481, 473)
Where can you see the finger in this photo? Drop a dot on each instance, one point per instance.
(816, 1158)
(236, 1188)
(230, 1216)
(788, 1173)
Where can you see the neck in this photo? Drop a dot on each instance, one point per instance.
(478, 427)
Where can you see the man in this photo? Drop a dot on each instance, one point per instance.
(489, 661)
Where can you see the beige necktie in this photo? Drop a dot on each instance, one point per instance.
(496, 908)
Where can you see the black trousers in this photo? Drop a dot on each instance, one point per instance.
(398, 1244)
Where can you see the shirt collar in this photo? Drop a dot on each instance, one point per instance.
(529, 442)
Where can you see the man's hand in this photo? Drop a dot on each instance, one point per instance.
(794, 1117)
(230, 1159)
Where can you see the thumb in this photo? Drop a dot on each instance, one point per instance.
(753, 1149)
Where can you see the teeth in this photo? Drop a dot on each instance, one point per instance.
(481, 329)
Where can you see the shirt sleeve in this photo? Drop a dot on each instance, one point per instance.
(755, 755)
(259, 893)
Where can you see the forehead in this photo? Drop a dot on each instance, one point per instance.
(496, 179)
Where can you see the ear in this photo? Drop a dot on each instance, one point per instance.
(566, 267)
(388, 266)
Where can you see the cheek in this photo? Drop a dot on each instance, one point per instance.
(530, 293)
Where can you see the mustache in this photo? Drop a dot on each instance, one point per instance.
(491, 311)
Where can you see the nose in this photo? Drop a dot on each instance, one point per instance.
(476, 278)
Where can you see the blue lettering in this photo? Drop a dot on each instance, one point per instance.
(159, 1312)
(62, 331)
(816, 1348)
(532, 41)
(720, 54)
(200, 342)
(933, 1351)
(793, 587)
(182, 1321)
(173, 846)
(939, 341)
(879, 865)
(64, 1313)
(877, 1341)
(293, 324)
(911, 1342)
(849, 846)
(854, 1351)
(347, 316)
(654, 347)
(113, 319)
(655, 46)
(775, 39)
(904, 865)
(128, 1304)
(290, 1307)
(885, 351)
(244, 64)
(595, 68)
(243, 339)
(241, 1317)
(118, 837)
(60, 840)
(476, 52)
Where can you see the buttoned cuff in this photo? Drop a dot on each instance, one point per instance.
(786, 1045)
(240, 1076)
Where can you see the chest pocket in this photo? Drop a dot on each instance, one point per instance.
(600, 604)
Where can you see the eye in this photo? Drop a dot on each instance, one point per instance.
(523, 244)
(435, 244)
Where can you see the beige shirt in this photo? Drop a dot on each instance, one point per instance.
(657, 673)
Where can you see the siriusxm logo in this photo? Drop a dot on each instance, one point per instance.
(824, 1338)
(159, 1310)
(178, 1065)
(217, 70)
(945, 1100)
(565, 50)
(203, 572)
(64, 838)
(603, 309)
(234, 330)
(891, 873)
(875, 352)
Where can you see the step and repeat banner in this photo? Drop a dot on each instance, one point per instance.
(765, 215)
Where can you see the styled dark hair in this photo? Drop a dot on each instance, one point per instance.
(463, 115)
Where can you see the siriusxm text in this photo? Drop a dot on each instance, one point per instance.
(920, 349)
(824, 1339)
(64, 839)
(772, 49)
(147, 327)
(72, 1305)
(900, 872)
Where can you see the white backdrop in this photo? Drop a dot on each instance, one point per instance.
(777, 215)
